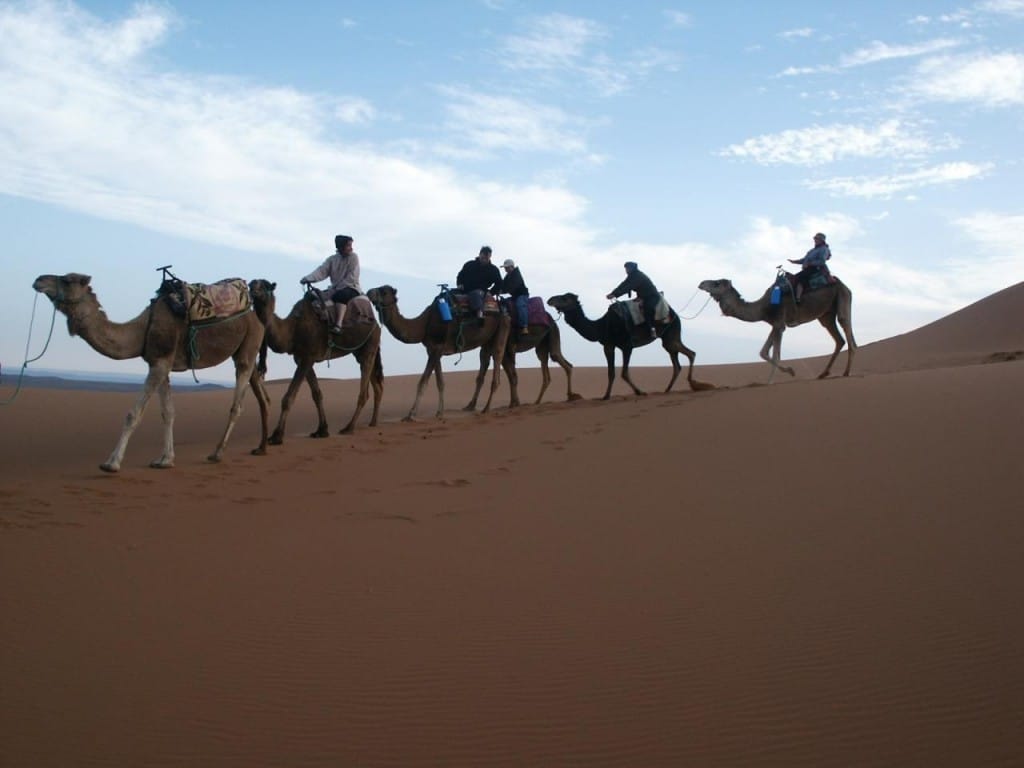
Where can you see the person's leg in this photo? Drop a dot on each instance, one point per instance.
(650, 305)
(522, 314)
(341, 298)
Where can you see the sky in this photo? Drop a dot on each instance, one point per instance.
(699, 139)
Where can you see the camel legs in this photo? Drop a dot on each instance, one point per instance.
(508, 362)
(377, 382)
(303, 371)
(242, 374)
(609, 356)
(545, 373)
(367, 363)
(433, 366)
(627, 353)
(774, 343)
(485, 362)
(496, 356)
(263, 400)
(555, 349)
(157, 379)
(829, 322)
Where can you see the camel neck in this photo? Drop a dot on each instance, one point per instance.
(406, 330)
(118, 341)
(584, 326)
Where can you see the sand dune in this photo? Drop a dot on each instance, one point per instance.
(812, 573)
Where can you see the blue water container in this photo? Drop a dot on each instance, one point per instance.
(776, 295)
(444, 309)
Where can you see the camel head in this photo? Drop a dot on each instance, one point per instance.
(384, 296)
(717, 288)
(564, 303)
(262, 291)
(64, 290)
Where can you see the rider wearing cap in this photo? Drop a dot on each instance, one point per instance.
(640, 284)
(811, 263)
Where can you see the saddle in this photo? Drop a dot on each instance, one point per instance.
(535, 312)
(207, 302)
(633, 310)
(359, 312)
(459, 303)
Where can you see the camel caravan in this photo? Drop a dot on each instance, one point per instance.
(191, 326)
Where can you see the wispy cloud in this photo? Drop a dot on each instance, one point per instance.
(879, 51)
(678, 18)
(1009, 7)
(499, 123)
(802, 32)
(887, 186)
(992, 80)
(88, 121)
(819, 145)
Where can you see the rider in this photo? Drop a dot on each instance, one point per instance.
(476, 277)
(811, 263)
(342, 267)
(514, 286)
(639, 283)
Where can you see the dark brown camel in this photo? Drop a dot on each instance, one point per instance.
(164, 340)
(440, 338)
(307, 338)
(612, 331)
(546, 341)
(826, 305)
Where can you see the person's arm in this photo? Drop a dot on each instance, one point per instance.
(319, 273)
(460, 279)
(624, 287)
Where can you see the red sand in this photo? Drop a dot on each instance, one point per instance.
(813, 573)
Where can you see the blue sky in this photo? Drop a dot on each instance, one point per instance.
(700, 139)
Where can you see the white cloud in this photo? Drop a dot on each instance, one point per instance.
(819, 145)
(355, 111)
(678, 18)
(879, 51)
(803, 32)
(993, 80)
(1009, 7)
(995, 232)
(554, 42)
(496, 123)
(223, 161)
(887, 186)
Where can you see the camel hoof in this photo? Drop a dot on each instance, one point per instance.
(213, 458)
(469, 408)
(573, 397)
(161, 464)
(409, 419)
(347, 430)
(320, 433)
(110, 468)
(276, 439)
(259, 451)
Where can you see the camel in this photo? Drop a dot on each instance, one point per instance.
(164, 340)
(612, 332)
(442, 338)
(546, 341)
(307, 338)
(826, 305)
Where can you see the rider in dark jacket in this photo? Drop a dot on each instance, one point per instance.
(640, 284)
(477, 276)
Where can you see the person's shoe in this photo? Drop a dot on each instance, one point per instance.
(336, 329)
(654, 333)
(524, 331)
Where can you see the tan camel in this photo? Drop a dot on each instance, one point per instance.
(440, 338)
(164, 340)
(306, 336)
(826, 305)
(546, 341)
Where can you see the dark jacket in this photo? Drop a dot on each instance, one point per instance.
(477, 276)
(513, 284)
(637, 282)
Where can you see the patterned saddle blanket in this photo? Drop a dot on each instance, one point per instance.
(207, 302)
(635, 308)
(535, 312)
(359, 312)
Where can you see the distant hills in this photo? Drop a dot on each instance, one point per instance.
(107, 382)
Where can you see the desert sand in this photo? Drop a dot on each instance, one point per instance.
(811, 573)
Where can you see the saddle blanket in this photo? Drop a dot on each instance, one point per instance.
(535, 312)
(215, 301)
(636, 311)
(460, 304)
(359, 311)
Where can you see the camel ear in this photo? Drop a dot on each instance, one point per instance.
(273, 286)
